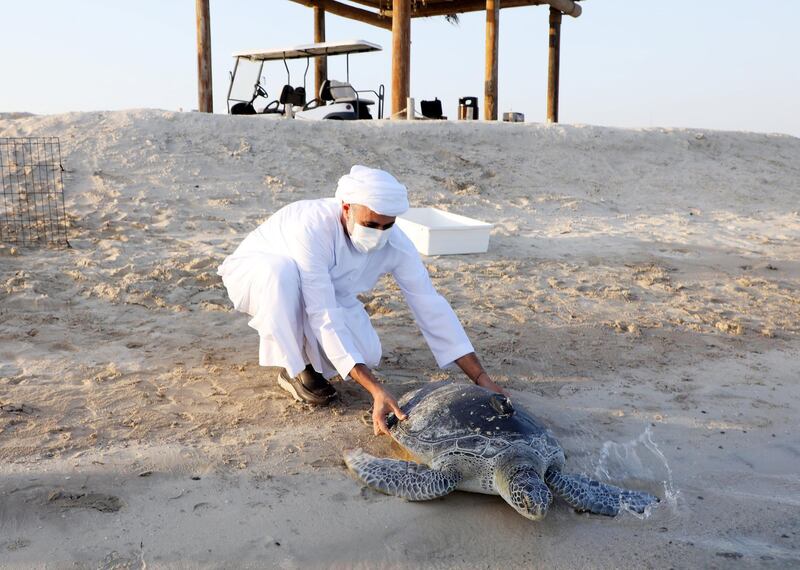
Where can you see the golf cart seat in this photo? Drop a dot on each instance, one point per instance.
(243, 108)
(297, 96)
(289, 96)
(247, 107)
(340, 92)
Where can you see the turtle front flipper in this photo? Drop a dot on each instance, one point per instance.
(585, 494)
(522, 488)
(412, 481)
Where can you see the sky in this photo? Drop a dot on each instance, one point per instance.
(729, 65)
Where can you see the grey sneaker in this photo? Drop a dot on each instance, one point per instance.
(309, 386)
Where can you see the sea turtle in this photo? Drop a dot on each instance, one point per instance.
(471, 439)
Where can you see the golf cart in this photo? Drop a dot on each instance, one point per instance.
(336, 100)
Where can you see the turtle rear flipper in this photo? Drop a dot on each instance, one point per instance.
(412, 481)
(585, 494)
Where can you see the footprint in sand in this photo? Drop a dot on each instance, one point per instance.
(202, 507)
(17, 544)
(17, 409)
(97, 501)
(9, 370)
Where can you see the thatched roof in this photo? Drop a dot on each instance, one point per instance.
(379, 12)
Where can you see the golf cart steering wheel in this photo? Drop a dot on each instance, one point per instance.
(272, 107)
(313, 104)
(260, 92)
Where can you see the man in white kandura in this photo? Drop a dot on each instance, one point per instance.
(297, 275)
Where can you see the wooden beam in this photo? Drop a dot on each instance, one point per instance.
(351, 12)
(320, 63)
(492, 41)
(205, 100)
(401, 56)
(371, 3)
(566, 7)
(553, 65)
(460, 6)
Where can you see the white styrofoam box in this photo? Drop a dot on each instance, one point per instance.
(436, 232)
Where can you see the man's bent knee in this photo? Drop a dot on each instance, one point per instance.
(281, 272)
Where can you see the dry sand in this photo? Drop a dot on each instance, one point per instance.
(641, 295)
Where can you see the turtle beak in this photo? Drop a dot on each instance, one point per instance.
(535, 511)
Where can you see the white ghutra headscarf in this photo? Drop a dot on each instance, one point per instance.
(376, 189)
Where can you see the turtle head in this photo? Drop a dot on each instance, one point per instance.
(517, 480)
(522, 488)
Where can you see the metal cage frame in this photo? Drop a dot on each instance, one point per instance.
(32, 208)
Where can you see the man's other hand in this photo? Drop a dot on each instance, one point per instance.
(485, 382)
(471, 366)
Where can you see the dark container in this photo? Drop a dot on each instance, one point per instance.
(468, 108)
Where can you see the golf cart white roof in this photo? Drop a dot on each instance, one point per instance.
(309, 50)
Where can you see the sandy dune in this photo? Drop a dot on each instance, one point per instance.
(641, 294)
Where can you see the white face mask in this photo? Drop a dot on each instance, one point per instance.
(367, 239)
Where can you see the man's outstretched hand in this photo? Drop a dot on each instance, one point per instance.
(383, 403)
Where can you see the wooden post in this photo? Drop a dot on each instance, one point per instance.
(553, 65)
(320, 63)
(205, 101)
(401, 56)
(492, 41)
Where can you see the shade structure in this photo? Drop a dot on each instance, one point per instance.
(396, 15)
(309, 50)
(380, 12)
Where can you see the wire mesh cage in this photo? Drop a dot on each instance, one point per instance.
(32, 208)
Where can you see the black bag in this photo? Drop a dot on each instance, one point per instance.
(432, 109)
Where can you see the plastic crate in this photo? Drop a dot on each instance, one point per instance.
(436, 232)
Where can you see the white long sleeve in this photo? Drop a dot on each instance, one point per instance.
(433, 314)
